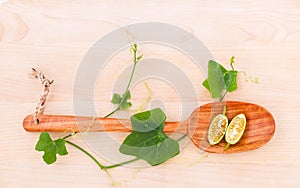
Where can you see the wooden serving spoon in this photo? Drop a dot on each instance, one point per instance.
(259, 130)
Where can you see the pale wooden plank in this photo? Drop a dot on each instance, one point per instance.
(55, 35)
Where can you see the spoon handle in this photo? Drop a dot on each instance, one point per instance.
(62, 123)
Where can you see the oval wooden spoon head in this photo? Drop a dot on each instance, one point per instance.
(259, 130)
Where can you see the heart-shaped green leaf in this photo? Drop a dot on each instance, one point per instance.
(50, 147)
(147, 140)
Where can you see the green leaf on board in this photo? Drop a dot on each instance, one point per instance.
(123, 102)
(215, 79)
(116, 99)
(51, 148)
(230, 79)
(206, 85)
(147, 140)
(220, 79)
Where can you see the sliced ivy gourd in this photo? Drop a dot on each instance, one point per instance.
(235, 130)
(217, 129)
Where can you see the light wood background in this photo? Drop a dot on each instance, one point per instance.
(55, 35)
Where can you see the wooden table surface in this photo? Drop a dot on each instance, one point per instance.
(54, 36)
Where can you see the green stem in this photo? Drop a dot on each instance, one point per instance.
(102, 167)
(221, 99)
(224, 110)
(231, 66)
(227, 146)
(135, 61)
(181, 137)
(69, 135)
(112, 112)
(87, 153)
(132, 72)
(121, 164)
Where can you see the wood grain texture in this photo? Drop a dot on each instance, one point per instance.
(62, 123)
(54, 36)
(259, 130)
